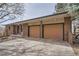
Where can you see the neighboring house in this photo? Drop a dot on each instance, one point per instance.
(53, 27)
(75, 27)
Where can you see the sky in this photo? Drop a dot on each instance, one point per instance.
(39, 9)
(34, 10)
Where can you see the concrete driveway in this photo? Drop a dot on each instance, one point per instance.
(29, 47)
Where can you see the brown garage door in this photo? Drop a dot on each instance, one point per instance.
(34, 31)
(54, 32)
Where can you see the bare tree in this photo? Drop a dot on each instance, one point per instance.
(11, 10)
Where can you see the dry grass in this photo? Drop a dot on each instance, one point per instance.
(76, 49)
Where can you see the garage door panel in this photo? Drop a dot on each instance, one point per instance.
(35, 31)
(54, 32)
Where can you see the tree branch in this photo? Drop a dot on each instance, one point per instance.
(4, 16)
(2, 4)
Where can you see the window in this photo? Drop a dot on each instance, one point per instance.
(17, 29)
(21, 28)
(9, 27)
